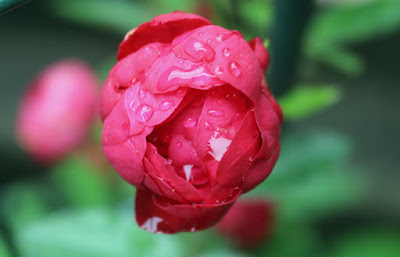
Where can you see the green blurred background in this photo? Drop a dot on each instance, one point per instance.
(334, 69)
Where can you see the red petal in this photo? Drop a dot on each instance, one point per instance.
(181, 187)
(126, 158)
(169, 72)
(235, 162)
(261, 52)
(269, 118)
(233, 62)
(125, 73)
(163, 28)
(157, 215)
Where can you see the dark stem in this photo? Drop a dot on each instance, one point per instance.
(291, 19)
(8, 5)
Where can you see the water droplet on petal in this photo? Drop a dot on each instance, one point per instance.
(166, 105)
(218, 70)
(131, 104)
(141, 94)
(237, 33)
(218, 147)
(133, 81)
(235, 69)
(226, 52)
(215, 112)
(209, 41)
(188, 171)
(151, 224)
(180, 93)
(144, 113)
(223, 36)
(179, 144)
(190, 122)
(199, 50)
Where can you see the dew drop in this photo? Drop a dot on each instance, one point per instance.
(223, 36)
(226, 52)
(218, 147)
(144, 113)
(188, 171)
(151, 224)
(235, 69)
(141, 94)
(179, 144)
(133, 81)
(166, 105)
(218, 70)
(199, 50)
(180, 93)
(131, 104)
(216, 113)
(190, 122)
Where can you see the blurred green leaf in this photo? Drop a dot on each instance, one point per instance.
(305, 100)
(23, 203)
(290, 241)
(312, 177)
(368, 243)
(119, 16)
(4, 252)
(334, 28)
(93, 233)
(81, 183)
(343, 60)
(222, 253)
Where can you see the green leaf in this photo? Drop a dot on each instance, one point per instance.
(93, 233)
(81, 183)
(223, 253)
(23, 203)
(302, 241)
(334, 28)
(119, 16)
(4, 252)
(305, 100)
(355, 23)
(368, 243)
(312, 177)
(342, 60)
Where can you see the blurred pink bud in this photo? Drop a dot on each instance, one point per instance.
(57, 110)
(248, 222)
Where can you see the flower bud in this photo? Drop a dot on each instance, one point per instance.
(57, 110)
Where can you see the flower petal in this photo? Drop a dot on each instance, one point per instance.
(236, 161)
(125, 73)
(232, 59)
(269, 118)
(261, 52)
(163, 28)
(180, 186)
(126, 158)
(159, 215)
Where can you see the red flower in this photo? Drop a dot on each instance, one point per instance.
(189, 120)
(247, 223)
(56, 111)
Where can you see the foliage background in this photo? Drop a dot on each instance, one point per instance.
(335, 72)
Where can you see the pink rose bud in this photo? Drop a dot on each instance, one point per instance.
(57, 110)
(189, 120)
(248, 222)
